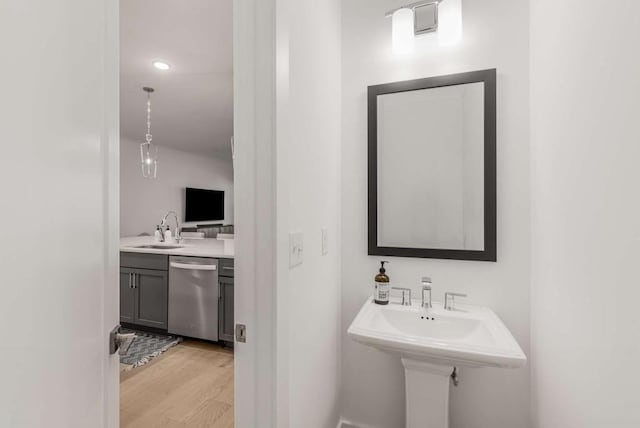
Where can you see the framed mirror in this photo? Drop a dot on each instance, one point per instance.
(432, 167)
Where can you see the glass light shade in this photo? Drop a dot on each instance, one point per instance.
(149, 160)
(450, 22)
(402, 32)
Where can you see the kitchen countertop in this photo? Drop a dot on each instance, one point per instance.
(190, 247)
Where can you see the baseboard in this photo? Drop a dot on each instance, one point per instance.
(344, 423)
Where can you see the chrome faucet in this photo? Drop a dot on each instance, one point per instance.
(164, 223)
(426, 286)
(405, 291)
(450, 302)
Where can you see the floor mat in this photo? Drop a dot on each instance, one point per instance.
(145, 347)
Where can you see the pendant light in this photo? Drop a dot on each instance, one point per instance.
(148, 151)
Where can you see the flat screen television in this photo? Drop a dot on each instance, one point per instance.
(203, 205)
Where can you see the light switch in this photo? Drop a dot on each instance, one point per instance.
(296, 249)
(325, 242)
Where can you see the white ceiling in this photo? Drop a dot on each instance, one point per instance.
(192, 106)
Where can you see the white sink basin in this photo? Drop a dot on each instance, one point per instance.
(468, 336)
(430, 343)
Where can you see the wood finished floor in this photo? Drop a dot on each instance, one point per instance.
(191, 385)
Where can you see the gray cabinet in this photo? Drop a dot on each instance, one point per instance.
(152, 297)
(144, 261)
(144, 292)
(127, 296)
(226, 325)
(225, 313)
(144, 289)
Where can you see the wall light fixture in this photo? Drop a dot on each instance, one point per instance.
(428, 16)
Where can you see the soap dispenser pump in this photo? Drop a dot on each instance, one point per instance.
(381, 292)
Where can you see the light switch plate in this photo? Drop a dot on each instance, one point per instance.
(325, 242)
(296, 249)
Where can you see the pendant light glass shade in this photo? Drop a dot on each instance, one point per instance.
(149, 157)
(149, 151)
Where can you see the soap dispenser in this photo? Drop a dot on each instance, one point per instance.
(168, 236)
(381, 292)
(158, 234)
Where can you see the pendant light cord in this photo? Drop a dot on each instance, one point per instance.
(148, 136)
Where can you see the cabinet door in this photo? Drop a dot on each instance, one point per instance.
(151, 287)
(127, 296)
(226, 267)
(226, 323)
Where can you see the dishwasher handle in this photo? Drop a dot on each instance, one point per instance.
(193, 266)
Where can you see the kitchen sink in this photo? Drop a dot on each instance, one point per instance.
(160, 247)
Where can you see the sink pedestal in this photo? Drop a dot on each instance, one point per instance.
(426, 394)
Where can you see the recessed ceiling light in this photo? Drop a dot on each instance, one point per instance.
(161, 65)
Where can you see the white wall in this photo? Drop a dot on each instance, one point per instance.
(586, 214)
(143, 202)
(308, 199)
(495, 35)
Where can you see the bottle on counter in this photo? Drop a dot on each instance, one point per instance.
(158, 234)
(168, 236)
(382, 286)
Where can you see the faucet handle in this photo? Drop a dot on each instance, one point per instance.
(426, 283)
(405, 301)
(449, 300)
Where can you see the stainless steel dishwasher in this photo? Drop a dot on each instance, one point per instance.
(193, 297)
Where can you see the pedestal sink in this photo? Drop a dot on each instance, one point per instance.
(431, 343)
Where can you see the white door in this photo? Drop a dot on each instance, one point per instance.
(58, 213)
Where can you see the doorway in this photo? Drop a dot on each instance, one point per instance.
(176, 213)
(64, 121)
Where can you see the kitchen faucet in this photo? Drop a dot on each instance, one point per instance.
(164, 222)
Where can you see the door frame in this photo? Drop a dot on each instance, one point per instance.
(255, 288)
(255, 212)
(110, 148)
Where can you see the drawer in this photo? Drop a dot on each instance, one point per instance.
(144, 261)
(226, 267)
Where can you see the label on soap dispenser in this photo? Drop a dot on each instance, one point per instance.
(381, 292)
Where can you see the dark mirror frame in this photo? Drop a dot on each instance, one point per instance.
(488, 77)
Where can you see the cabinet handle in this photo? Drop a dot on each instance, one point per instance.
(192, 266)
(135, 280)
(130, 280)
